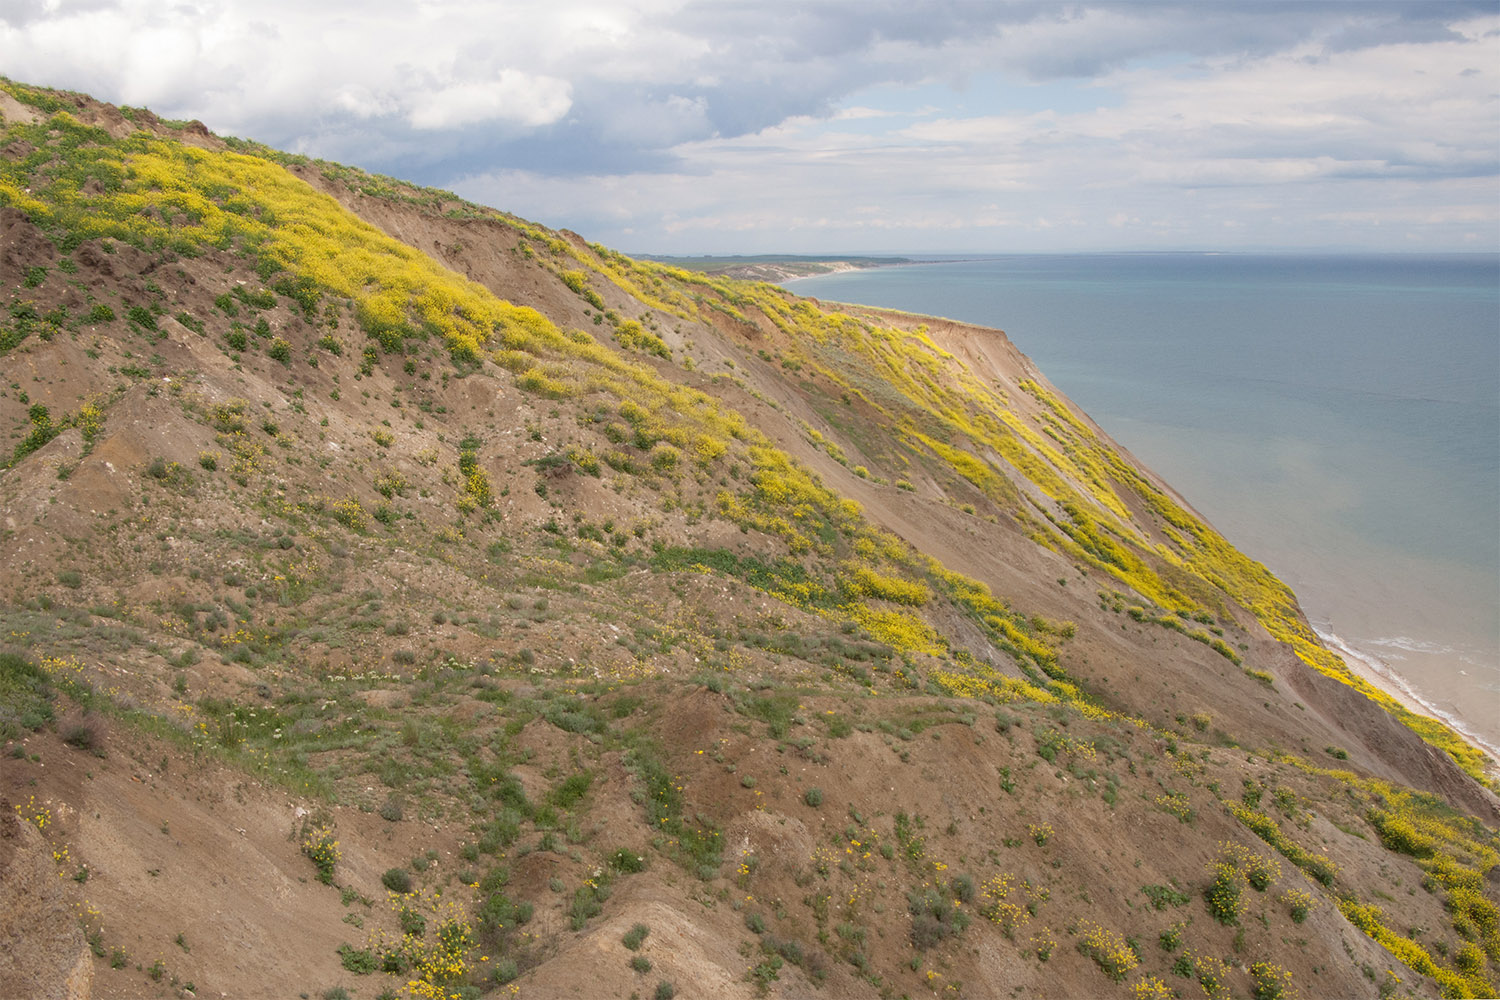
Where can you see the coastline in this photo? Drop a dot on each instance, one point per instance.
(1318, 483)
(1382, 675)
(777, 269)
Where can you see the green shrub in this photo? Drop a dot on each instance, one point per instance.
(588, 902)
(323, 850)
(25, 696)
(813, 797)
(396, 880)
(359, 961)
(1163, 896)
(635, 937)
(1223, 894)
(505, 971)
(141, 316)
(935, 916)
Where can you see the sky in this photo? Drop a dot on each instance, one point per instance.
(941, 126)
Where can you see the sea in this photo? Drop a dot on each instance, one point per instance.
(1335, 417)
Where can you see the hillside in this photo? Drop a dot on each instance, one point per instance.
(405, 599)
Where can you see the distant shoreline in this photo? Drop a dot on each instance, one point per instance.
(776, 268)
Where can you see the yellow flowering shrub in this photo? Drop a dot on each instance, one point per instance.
(319, 845)
(1108, 949)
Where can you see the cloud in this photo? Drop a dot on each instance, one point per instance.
(514, 96)
(1303, 145)
(679, 116)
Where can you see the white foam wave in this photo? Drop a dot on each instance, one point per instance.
(1397, 684)
(1410, 645)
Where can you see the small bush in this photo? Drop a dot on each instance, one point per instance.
(359, 961)
(664, 991)
(640, 963)
(587, 904)
(141, 316)
(1299, 903)
(1223, 895)
(935, 916)
(664, 457)
(1111, 952)
(350, 513)
(82, 736)
(635, 937)
(396, 880)
(505, 971)
(1272, 982)
(323, 850)
(1163, 896)
(813, 797)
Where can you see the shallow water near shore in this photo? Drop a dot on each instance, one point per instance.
(1336, 417)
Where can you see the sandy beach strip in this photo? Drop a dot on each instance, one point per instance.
(1380, 674)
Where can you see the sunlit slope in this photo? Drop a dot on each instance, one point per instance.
(1018, 445)
(292, 491)
(1013, 441)
(159, 195)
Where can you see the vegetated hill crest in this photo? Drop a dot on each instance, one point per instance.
(401, 544)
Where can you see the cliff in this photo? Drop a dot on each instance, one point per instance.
(405, 596)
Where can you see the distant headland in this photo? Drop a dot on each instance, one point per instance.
(774, 267)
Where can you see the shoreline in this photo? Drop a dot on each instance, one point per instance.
(1382, 675)
(1464, 698)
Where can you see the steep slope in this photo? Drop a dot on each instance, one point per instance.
(568, 592)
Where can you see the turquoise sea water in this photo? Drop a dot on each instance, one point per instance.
(1336, 417)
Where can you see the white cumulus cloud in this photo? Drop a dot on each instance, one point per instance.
(513, 97)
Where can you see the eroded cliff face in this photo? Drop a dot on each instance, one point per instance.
(46, 954)
(356, 531)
